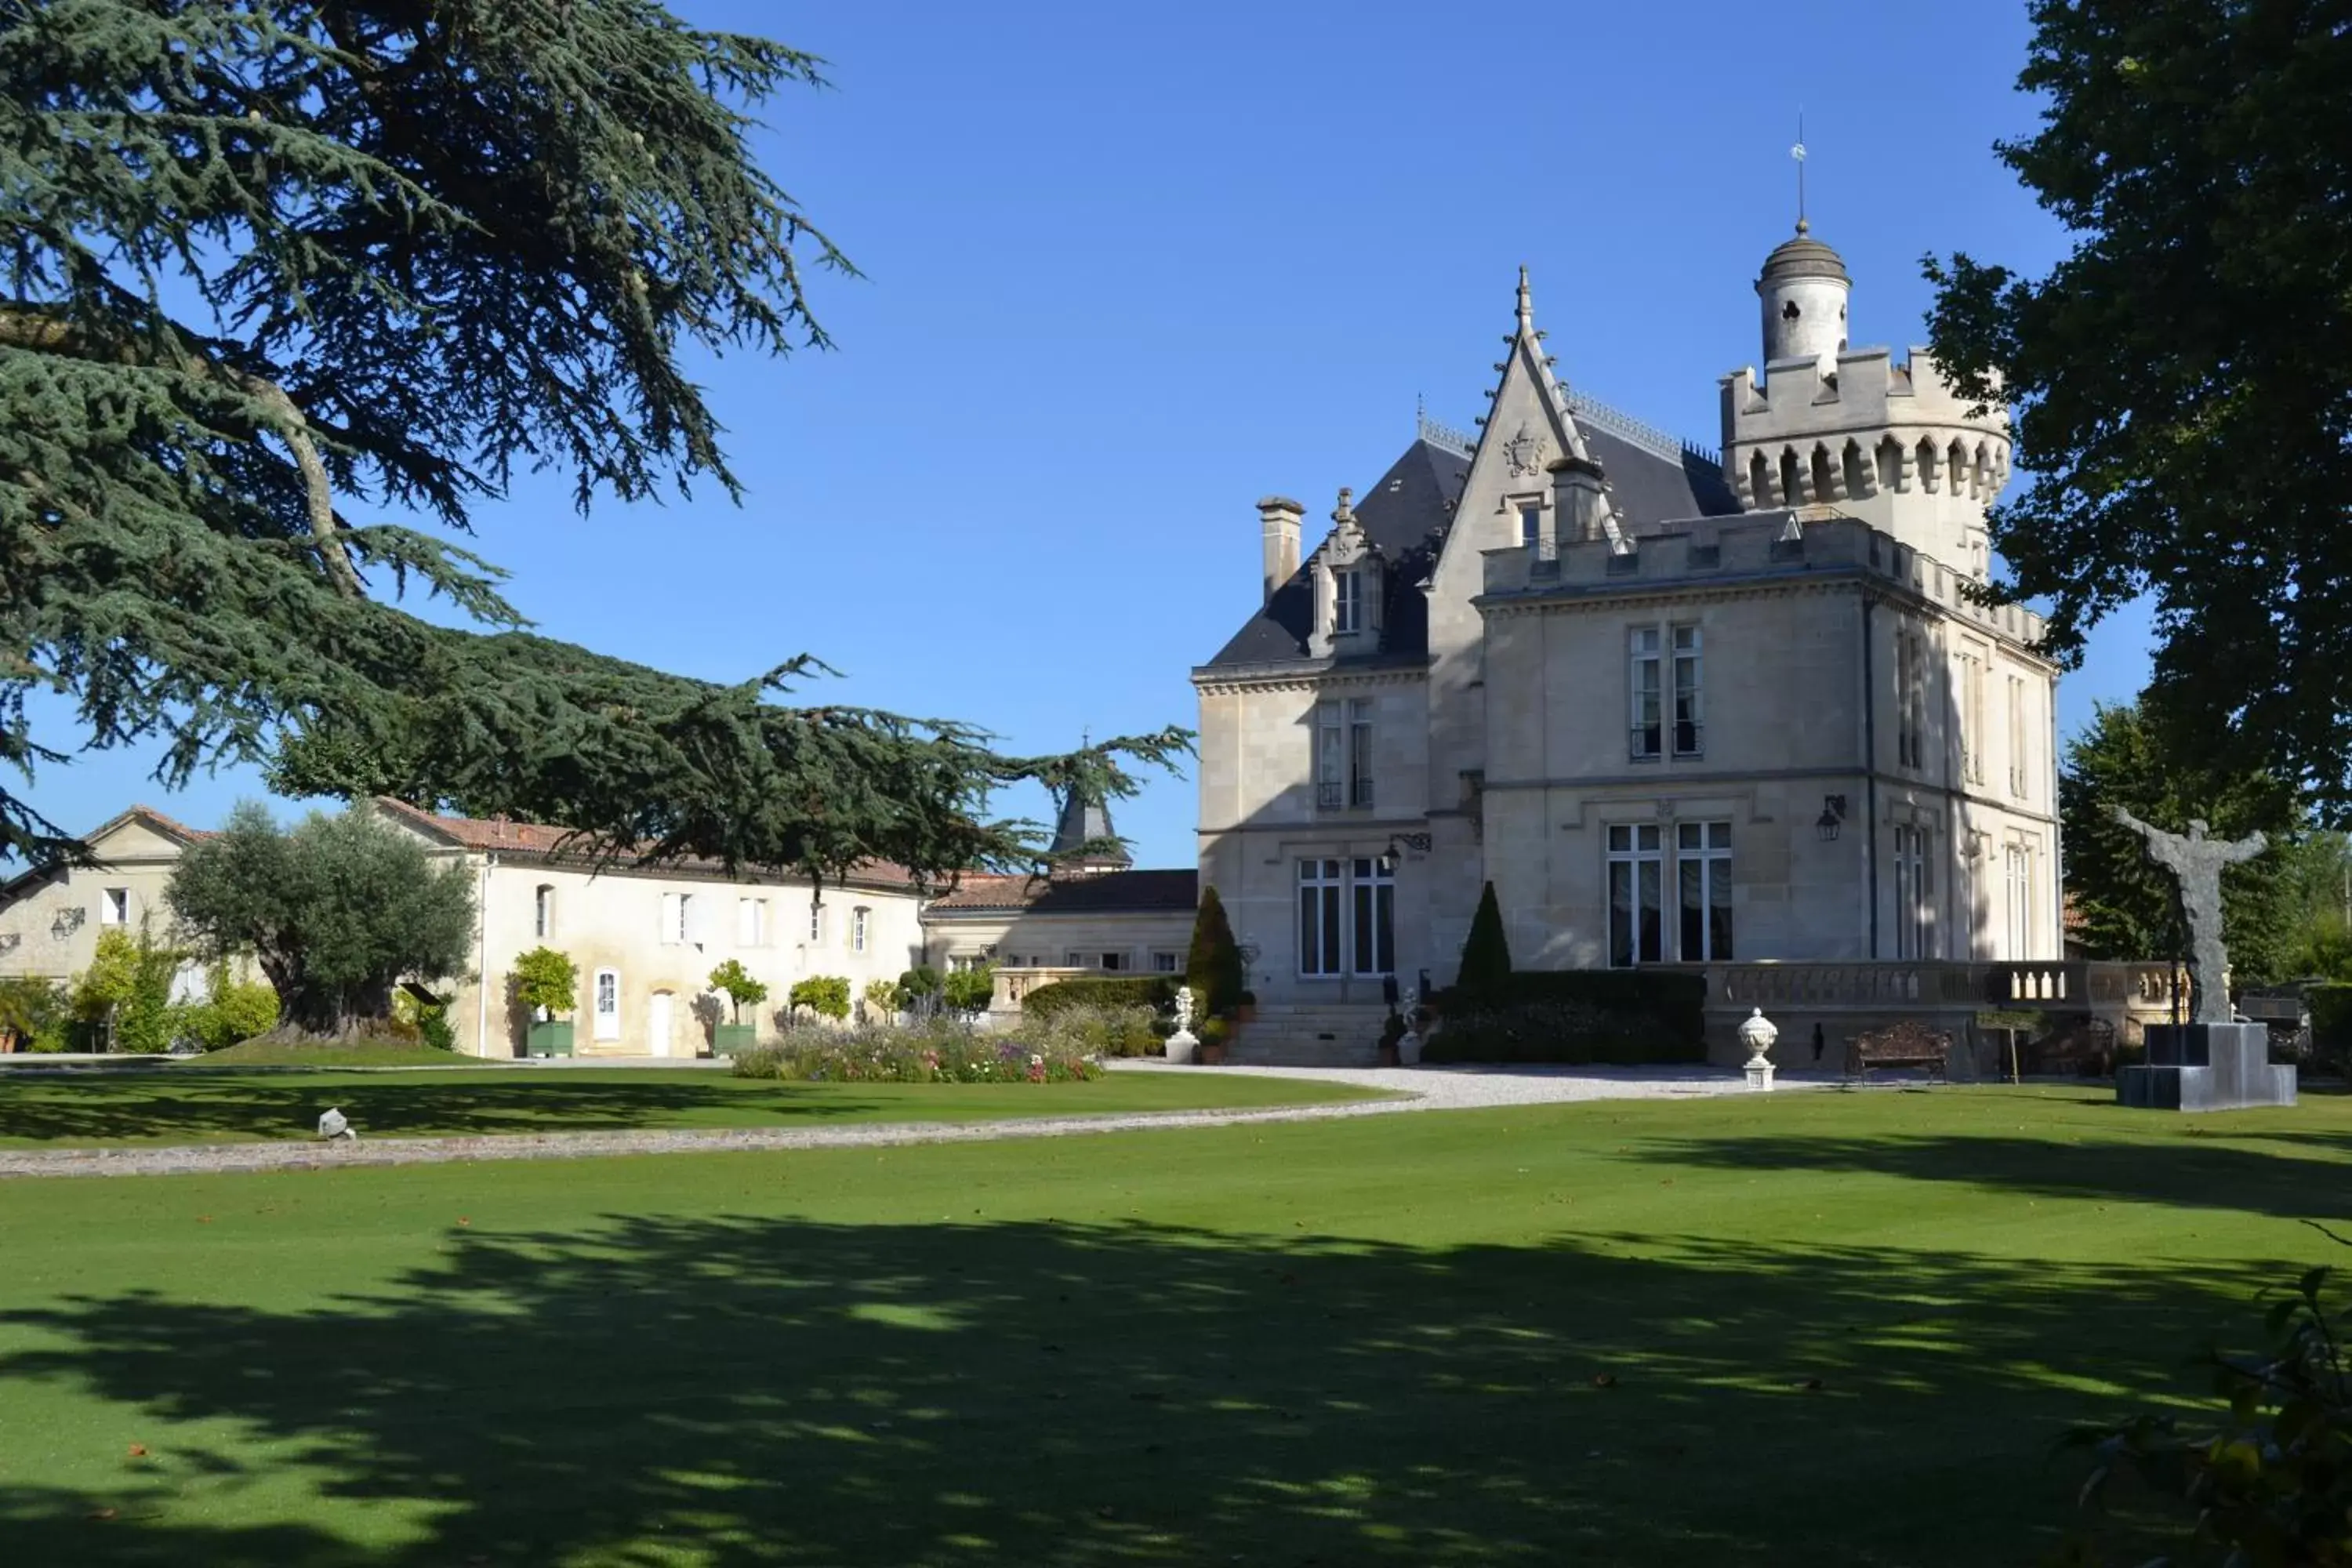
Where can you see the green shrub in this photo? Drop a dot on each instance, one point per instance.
(38, 1014)
(434, 1028)
(969, 991)
(884, 1001)
(1575, 1016)
(1094, 1031)
(1153, 991)
(735, 982)
(2331, 1023)
(1213, 967)
(123, 1000)
(826, 995)
(941, 1051)
(546, 979)
(1487, 953)
(231, 1012)
(1214, 1031)
(919, 984)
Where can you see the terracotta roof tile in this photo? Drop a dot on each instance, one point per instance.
(1106, 892)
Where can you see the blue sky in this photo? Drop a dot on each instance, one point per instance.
(1128, 268)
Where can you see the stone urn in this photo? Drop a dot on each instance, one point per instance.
(1757, 1035)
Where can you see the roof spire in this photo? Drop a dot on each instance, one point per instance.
(1527, 304)
(1797, 153)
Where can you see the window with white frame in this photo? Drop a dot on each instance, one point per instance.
(1347, 917)
(1972, 714)
(1688, 734)
(114, 907)
(858, 919)
(2017, 732)
(606, 1008)
(1343, 753)
(2017, 868)
(1530, 525)
(1347, 602)
(1636, 914)
(1915, 893)
(677, 919)
(816, 923)
(1165, 963)
(542, 912)
(1109, 962)
(751, 922)
(1703, 890)
(1646, 683)
(1910, 698)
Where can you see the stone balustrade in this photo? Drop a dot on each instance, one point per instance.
(1015, 985)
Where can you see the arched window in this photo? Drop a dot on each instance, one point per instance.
(1824, 476)
(1759, 479)
(1857, 472)
(1984, 471)
(1890, 465)
(1959, 475)
(1928, 466)
(1792, 488)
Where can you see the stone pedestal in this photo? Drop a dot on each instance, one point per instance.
(1181, 1046)
(2206, 1066)
(1759, 1075)
(1409, 1049)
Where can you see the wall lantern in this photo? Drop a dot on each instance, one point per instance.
(1831, 818)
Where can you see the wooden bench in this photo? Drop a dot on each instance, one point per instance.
(1909, 1043)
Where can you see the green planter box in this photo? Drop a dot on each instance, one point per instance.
(733, 1039)
(553, 1038)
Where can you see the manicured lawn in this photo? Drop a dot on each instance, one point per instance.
(208, 1105)
(358, 1054)
(1584, 1334)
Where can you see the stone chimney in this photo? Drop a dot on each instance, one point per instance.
(1579, 500)
(1280, 516)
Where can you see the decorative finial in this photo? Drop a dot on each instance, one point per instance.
(1527, 304)
(1797, 153)
(1343, 513)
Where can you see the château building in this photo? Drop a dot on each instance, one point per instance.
(1677, 708)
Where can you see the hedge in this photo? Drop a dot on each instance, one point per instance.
(1633, 1017)
(2331, 1022)
(1152, 991)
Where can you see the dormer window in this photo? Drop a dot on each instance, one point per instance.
(1347, 602)
(1530, 525)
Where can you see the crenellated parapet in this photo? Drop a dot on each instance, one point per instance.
(1892, 444)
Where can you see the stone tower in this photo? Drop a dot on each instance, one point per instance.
(1849, 429)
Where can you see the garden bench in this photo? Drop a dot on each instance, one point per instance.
(1907, 1043)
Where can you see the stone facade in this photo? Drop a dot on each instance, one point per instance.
(50, 921)
(1673, 718)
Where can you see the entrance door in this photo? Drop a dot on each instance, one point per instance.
(657, 1024)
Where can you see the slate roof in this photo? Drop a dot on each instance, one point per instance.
(1409, 511)
(1106, 892)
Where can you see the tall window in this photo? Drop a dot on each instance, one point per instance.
(859, 918)
(1911, 700)
(2017, 863)
(677, 919)
(1637, 921)
(1914, 915)
(1973, 715)
(1530, 525)
(1643, 677)
(2017, 736)
(751, 922)
(1686, 691)
(1347, 917)
(1347, 602)
(114, 907)
(607, 1008)
(1343, 753)
(1702, 872)
(543, 912)
(817, 922)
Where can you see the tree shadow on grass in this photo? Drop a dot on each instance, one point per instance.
(152, 1107)
(728, 1391)
(2187, 1174)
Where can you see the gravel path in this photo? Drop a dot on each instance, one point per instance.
(1430, 1089)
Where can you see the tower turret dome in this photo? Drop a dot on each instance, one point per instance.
(1803, 289)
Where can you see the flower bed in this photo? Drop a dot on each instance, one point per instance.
(942, 1052)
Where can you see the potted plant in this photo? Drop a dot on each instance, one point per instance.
(1214, 1033)
(736, 983)
(1391, 1032)
(1247, 1010)
(547, 983)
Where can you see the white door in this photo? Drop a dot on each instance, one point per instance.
(657, 1024)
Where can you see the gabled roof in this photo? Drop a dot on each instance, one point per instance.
(540, 840)
(148, 816)
(1404, 516)
(1108, 892)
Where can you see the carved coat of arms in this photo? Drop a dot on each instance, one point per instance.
(1524, 451)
